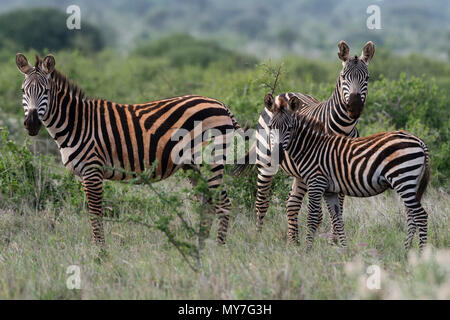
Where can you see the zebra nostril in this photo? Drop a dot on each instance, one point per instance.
(32, 122)
(354, 98)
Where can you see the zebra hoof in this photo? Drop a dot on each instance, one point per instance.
(221, 242)
(293, 241)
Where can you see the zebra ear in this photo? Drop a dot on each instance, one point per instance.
(344, 51)
(268, 101)
(367, 52)
(23, 64)
(294, 104)
(48, 64)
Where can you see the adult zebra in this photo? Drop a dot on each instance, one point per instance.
(339, 114)
(358, 167)
(99, 139)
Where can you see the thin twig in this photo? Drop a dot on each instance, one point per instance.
(169, 237)
(276, 79)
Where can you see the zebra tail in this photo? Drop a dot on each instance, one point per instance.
(426, 175)
(243, 164)
(234, 122)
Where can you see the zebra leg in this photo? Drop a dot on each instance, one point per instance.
(421, 221)
(223, 203)
(262, 196)
(93, 188)
(411, 229)
(415, 212)
(293, 205)
(316, 190)
(206, 216)
(223, 208)
(337, 222)
(420, 217)
(335, 235)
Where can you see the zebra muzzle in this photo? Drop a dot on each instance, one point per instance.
(32, 122)
(355, 105)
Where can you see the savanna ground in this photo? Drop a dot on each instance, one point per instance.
(37, 247)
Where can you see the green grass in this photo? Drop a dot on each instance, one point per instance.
(36, 247)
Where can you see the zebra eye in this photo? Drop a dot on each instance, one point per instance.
(23, 90)
(343, 76)
(46, 91)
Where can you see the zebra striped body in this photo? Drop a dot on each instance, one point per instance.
(339, 115)
(333, 115)
(131, 137)
(358, 167)
(100, 139)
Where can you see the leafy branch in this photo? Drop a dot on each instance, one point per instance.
(169, 208)
(271, 76)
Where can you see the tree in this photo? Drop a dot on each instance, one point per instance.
(46, 29)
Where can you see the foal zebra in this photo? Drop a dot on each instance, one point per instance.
(358, 167)
(99, 139)
(339, 114)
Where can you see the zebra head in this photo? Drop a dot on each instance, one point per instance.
(35, 90)
(354, 77)
(282, 120)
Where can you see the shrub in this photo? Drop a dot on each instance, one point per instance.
(183, 49)
(28, 180)
(414, 104)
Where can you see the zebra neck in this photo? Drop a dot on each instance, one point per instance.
(68, 111)
(340, 122)
(304, 141)
(307, 147)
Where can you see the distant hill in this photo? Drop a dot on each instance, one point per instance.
(270, 28)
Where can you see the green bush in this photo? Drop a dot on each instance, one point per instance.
(414, 104)
(183, 49)
(30, 181)
(387, 65)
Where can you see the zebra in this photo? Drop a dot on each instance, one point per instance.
(100, 139)
(357, 167)
(339, 114)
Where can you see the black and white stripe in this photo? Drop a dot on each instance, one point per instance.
(99, 139)
(358, 167)
(339, 115)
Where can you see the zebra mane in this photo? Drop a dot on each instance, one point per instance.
(62, 81)
(69, 86)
